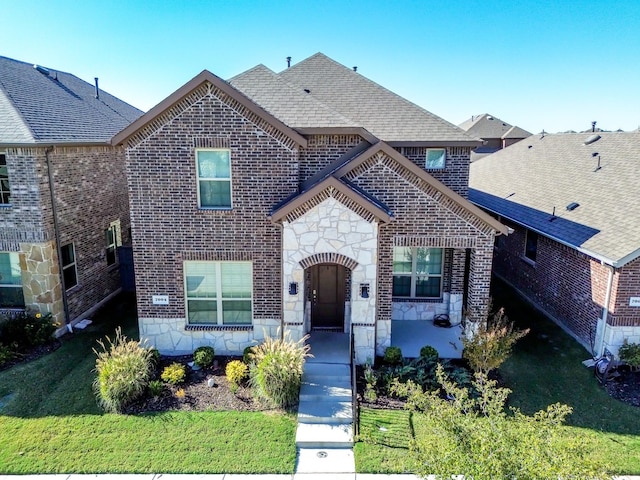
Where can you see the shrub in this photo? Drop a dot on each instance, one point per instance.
(630, 354)
(247, 355)
(236, 372)
(428, 352)
(203, 356)
(154, 355)
(276, 372)
(26, 329)
(174, 373)
(124, 368)
(491, 345)
(6, 354)
(393, 356)
(370, 379)
(155, 388)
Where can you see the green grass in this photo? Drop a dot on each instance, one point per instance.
(545, 368)
(50, 422)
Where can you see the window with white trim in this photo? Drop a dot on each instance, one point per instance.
(213, 170)
(11, 295)
(417, 272)
(112, 238)
(69, 270)
(218, 293)
(531, 245)
(5, 192)
(435, 158)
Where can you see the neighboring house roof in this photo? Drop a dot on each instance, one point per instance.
(526, 181)
(487, 126)
(342, 97)
(44, 106)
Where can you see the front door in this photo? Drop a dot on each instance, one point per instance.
(327, 297)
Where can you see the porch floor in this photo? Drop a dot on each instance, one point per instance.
(329, 347)
(412, 335)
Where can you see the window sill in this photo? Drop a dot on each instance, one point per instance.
(528, 261)
(6, 205)
(416, 300)
(209, 328)
(215, 209)
(74, 289)
(113, 267)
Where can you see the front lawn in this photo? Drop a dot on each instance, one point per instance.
(545, 368)
(50, 423)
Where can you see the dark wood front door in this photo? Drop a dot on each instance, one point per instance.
(327, 297)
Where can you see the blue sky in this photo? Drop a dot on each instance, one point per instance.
(552, 65)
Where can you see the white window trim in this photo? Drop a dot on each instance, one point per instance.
(198, 179)
(444, 161)
(73, 264)
(414, 276)
(117, 241)
(218, 299)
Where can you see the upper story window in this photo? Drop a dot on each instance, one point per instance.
(435, 158)
(417, 272)
(213, 167)
(5, 193)
(11, 295)
(531, 245)
(69, 270)
(218, 293)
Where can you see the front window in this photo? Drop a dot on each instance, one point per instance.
(69, 271)
(417, 272)
(214, 178)
(435, 158)
(11, 295)
(531, 245)
(5, 193)
(218, 293)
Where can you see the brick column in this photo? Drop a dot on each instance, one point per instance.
(479, 279)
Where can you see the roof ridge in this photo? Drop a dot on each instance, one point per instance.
(260, 66)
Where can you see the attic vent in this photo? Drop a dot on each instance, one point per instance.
(572, 206)
(41, 69)
(592, 139)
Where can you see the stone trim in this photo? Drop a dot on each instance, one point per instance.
(328, 257)
(435, 242)
(209, 328)
(211, 142)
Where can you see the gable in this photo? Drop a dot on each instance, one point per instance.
(206, 84)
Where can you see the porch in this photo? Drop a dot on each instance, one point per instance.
(412, 335)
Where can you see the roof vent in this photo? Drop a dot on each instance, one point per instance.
(592, 139)
(41, 69)
(307, 90)
(355, 69)
(288, 62)
(572, 206)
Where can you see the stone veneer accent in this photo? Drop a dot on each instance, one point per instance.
(451, 304)
(331, 228)
(41, 279)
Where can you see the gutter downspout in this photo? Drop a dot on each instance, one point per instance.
(56, 233)
(605, 309)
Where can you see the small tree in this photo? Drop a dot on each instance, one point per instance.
(491, 344)
(473, 436)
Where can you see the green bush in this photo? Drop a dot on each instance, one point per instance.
(23, 330)
(630, 354)
(154, 355)
(124, 368)
(236, 372)
(392, 356)
(276, 373)
(155, 388)
(6, 354)
(203, 356)
(247, 355)
(174, 373)
(428, 352)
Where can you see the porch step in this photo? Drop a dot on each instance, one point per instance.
(336, 391)
(309, 435)
(328, 412)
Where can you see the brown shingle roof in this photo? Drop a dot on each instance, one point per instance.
(487, 126)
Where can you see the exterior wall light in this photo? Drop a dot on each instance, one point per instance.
(364, 290)
(293, 288)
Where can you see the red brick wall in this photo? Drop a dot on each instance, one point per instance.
(627, 284)
(322, 150)
(167, 224)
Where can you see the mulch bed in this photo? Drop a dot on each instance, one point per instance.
(32, 354)
(625, 387)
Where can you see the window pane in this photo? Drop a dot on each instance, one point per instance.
(214, 164)
(235, 312)
(203, 311)
(70, 278)
(11, 297)
(401, 286)
(10, 269)
(200, 279)
(429, 261)
(111, 239)
(435, 158)
(68, 256)
(111, 256)
(215, 193)
(428, 287)
(531, 247)
(402, 260)
(236, 279)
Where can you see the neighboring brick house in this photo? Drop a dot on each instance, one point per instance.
(63, 195)
(312, 199)
(495, 133)
(574, 205)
